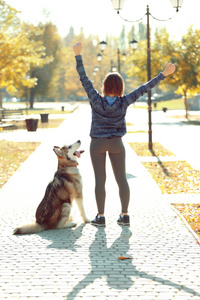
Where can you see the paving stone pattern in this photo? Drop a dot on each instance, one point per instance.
(82, 263)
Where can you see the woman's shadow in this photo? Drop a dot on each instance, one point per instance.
(104, 261)
(104, 253)
(104, 256)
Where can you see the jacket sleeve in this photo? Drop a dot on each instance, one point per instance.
(133, 96)
(85, 81)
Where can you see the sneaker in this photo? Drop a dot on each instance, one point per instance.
(124, 220)
(99, 221)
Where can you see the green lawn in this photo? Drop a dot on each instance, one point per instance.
(171, 104)
(174, 104)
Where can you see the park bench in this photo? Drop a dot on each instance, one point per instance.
(10, 115)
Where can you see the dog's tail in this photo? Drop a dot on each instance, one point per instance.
(29, 228)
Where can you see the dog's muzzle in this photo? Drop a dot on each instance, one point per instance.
(78, 153)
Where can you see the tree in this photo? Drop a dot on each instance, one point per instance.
(122, 39)
(18, 53)
(142, 31)
(65, 83)
(162, 51)
(132, 34)
(186, 57)
(185, 54)
(51, 40)
(69, 37)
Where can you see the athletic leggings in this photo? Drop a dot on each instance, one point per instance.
(116, 151)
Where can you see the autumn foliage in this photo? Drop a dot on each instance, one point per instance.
(36, 62)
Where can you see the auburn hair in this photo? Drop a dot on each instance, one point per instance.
(113, 84)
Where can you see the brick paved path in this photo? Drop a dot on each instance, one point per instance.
(82, 263)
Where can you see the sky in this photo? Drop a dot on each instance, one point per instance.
(97, 17)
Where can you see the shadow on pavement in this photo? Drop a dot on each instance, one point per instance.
(103, 255)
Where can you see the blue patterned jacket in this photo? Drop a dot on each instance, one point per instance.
(109, 120)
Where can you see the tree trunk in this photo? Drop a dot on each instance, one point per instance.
(1, 102)
(186, 105)
(31, 98)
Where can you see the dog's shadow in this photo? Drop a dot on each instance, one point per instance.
(63, 238)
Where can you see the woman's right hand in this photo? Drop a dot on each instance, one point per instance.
(169, 69)
(77, 48)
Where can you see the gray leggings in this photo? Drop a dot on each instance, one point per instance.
(116, 151)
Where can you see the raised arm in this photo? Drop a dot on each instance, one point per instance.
(132, 97)
(85, 81)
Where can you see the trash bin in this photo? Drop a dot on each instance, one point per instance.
(164, 109)
(31, 124)
(44, 118)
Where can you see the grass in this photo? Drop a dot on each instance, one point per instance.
(173, 177)
(13, 154)
(174, 104)
(45, 111)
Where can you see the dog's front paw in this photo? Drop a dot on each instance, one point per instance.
(70, 225)
(86, 220)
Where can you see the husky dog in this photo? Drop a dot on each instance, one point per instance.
(54, 211)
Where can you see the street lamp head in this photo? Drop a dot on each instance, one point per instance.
(96, 69)
(114, 69)
(124, 56)
(118, 4)
(177, 3)
(99, 57)
(133, 44)
(102, 46)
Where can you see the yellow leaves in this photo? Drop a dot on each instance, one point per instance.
(19, 53)
(171, 176)
(142, 149)
(175, 177)
(11, 89)
(29, 82)
(12, 156)
(191, 213)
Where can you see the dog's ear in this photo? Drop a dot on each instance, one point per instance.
(58, 151)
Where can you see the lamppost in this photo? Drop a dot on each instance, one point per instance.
(118, 5)
(102, 47)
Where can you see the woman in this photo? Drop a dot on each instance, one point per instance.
(107, 128)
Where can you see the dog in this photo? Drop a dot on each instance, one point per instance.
(54, 211)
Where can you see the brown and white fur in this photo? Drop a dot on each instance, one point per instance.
(54, 211)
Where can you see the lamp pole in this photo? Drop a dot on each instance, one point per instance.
(150, 143)
(117, 5)
(118, 60)
(102, 46)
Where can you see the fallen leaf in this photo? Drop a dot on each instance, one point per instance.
(123, 257)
